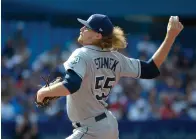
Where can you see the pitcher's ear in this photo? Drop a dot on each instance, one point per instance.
(99, 36)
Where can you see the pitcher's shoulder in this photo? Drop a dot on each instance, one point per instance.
(117, 54)
(79, 51)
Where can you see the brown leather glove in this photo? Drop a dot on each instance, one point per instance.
(47, 100)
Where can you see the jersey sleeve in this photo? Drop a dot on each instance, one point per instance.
(130, 67)
(77, 63)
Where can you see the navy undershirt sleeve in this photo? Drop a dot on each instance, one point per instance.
(72, 81)
(149, 70)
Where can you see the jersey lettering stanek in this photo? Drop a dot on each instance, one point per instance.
(106, 62)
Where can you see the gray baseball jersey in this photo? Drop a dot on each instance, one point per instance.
(100, 70)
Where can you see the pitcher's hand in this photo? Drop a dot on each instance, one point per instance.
(174, 27)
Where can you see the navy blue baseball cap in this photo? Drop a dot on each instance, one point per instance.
(99, 23)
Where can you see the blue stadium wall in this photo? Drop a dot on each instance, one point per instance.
(110, 7)
(168, 129)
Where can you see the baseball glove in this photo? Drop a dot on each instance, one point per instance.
(47, 100)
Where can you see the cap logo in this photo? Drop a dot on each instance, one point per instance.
(100, 29)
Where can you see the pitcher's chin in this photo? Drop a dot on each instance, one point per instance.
(80, 40)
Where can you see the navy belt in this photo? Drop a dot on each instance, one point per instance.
(97, 118)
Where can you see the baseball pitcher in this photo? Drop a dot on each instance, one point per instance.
(92, 70)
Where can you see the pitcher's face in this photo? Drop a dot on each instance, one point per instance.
(88, 36)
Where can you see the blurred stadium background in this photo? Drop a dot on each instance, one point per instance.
(38, 35)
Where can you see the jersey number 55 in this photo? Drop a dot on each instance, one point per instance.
(103, 86)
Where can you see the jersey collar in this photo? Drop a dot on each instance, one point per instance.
(93, 47)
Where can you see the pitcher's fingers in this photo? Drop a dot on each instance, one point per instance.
(177, 18)
(181, 26)
(170, 24)
(177, 22)
(171, 19)
(174, 22)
